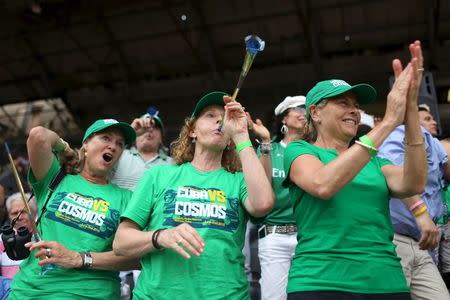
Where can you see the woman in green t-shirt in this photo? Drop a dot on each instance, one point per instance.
(187, 221)
(74, 259)
(341, 194)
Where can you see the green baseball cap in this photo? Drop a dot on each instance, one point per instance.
(365, 93)
(208, 99)
(99, 125)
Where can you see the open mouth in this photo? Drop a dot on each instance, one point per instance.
(107, 157)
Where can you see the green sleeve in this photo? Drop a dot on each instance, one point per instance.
(140, 205)
(40, 187)
(294, 150)
(383, 161)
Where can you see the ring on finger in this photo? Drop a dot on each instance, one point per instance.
(179, 242)
(420, 69)
(48, 252)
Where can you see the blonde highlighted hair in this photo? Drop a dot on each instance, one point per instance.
(183, 149)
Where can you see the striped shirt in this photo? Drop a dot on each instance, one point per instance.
(131, 166)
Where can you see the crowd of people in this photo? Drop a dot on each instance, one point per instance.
(345, 206)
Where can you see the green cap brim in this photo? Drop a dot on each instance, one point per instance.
(128, 131)
(365, 94)
(207, 100)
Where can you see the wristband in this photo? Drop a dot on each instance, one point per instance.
(243, 145)
(61, 146)
(416, 205)
(420, 211)
(155, 236)
(366, 142)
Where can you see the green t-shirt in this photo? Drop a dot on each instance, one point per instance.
(212, 203)
(83, 217)
(281, 213)
(344, 243)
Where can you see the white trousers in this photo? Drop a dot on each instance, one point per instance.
(421, 273)
(275, 253)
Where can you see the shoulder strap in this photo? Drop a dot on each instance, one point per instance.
(52, 186)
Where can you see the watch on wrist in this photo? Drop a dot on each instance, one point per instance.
(265, 148)
(86, 259)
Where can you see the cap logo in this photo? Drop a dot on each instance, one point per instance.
(337, 83)
(110, 121)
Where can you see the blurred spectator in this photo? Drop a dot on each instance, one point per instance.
(420, 270)
(7, 179)
(3, 213)
(148, 152)
(9, 268)
(426, 119)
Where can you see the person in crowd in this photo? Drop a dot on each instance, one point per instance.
(421, 272)
(3, 211)
(14, 207)
(147, 153)
(277, 230)
(74, 259)
(426, 119)
(188, 220)
(341, 194)
(7, 179)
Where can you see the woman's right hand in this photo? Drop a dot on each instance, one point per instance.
(69, 159)
(182, 239)
(258, 129)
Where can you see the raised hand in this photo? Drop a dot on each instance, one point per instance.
(142, 125)
(235, 120)
(397, 97)
(182, 239)
(69, 159)
(417, 68)
(258, 129)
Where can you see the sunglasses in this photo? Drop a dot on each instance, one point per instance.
(300, 109)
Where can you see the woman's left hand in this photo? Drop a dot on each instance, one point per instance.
(417, 66)
(55, 253)
(235, 120)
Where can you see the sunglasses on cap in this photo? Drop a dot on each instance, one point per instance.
(300, 109)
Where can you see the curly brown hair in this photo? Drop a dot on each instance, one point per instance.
(183, 149)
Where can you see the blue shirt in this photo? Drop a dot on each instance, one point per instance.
(393, 149)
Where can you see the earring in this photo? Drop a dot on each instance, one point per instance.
(194, 140)
(284, 129)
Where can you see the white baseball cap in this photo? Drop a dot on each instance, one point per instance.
(289, 102)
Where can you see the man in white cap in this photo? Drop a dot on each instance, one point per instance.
(277, 231)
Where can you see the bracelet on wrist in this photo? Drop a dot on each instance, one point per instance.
(265, 148)
(420, 211)
(60, 146)
(243, 145)
(155, 236)
(413, 144)
(367, 143)
(416, 205)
